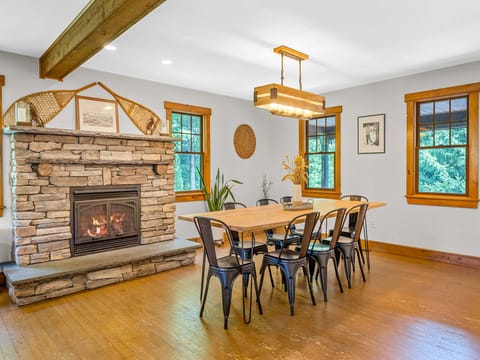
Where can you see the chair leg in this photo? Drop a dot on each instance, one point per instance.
(323, 280)
(335, 265)
(360, 264)
(367, 248)
(226, 301)
(311, 266)
(291, 283)
(262, 273)
(271, 276)
(245, 284)
(205, 295)
(347, 263)
(310, 285)
(203, 274)
(257, 293)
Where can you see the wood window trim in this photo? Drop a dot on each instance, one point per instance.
(324, 193)
(470, 200)
(196, 195)
(2, 84)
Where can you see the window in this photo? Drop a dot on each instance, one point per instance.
(442, 146)
(320, 144)
(190, 124)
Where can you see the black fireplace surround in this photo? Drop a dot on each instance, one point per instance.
(104, 218)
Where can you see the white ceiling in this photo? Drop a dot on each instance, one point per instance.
(225, 47)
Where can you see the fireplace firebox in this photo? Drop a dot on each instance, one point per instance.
(104, 218)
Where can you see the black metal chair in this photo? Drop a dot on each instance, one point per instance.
(233, 205)
(227, 269)
(350, 226)
(262, 202)
(286, 199)
(349, 246)
(245, 248)
(273, 238)
(289, 261)
(320, 253)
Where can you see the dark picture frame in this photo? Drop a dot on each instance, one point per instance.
(371, 134)
(94, 114)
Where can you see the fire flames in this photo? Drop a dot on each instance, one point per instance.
(98, 226)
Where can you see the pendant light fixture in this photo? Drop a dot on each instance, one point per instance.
(285, 101)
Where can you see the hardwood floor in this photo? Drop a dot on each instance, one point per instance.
(407, 309)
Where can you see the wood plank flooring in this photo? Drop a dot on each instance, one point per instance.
(407, 309)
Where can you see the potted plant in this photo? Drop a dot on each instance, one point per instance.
(219, 192)
(218, 195)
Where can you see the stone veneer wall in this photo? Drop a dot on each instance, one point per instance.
(45, 163)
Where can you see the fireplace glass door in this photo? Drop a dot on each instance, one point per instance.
(104, 218)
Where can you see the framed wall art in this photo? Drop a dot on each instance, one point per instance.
(371, 134)
(95, 114)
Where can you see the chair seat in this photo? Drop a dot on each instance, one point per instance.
(318, 247)
(232, 262)
(287, 254)
(278, 239)
(248, 244)
(344, 240)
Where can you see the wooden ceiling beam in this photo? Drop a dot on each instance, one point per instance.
(97, 25)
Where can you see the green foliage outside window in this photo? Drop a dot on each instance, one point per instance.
(188, 151)
(321, 147)
(442, 146)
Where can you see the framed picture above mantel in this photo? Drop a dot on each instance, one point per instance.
(94, 114)
(371, 134)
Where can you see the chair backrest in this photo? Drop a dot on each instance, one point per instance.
(286, 199)
(338, 216)
(310, 220)
(204, 228)
(354, 197)
(262, 202)
(233, 205)
(352, 218)
(360, 211)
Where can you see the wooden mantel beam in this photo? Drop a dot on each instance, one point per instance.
(98, 24)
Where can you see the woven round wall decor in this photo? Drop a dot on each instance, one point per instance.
(244, 141)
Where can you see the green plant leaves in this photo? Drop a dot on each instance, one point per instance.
(219, 192)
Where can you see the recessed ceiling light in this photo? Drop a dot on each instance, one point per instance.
(167, 62)
(110, 47)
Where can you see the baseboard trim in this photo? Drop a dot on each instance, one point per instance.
(450, 258)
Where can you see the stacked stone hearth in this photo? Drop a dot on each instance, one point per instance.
(46, 163)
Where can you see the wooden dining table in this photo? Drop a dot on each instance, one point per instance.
(258, 218)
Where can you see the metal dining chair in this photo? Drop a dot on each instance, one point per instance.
(319, 253)
(350, 225)
(290, 261)
(226, 269)
(349, 246)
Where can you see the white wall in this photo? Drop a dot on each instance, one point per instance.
(379, 176)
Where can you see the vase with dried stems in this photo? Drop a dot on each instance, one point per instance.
(296, 173)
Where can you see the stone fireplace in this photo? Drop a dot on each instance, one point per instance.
(77, 192)
(48, 164)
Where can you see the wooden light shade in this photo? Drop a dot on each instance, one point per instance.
(285, 101)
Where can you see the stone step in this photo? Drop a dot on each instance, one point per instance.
(33, 283)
